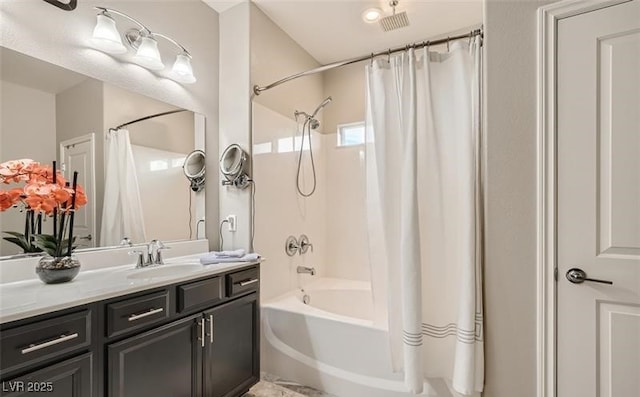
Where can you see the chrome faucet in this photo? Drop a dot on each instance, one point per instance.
(155, 252)
(143, 258)
(153, 256)
(304, 269)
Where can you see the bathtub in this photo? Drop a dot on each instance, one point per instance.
(331, 343)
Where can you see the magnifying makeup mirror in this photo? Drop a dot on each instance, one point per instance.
(194, 168)
(234, 166)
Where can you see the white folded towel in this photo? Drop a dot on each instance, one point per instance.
(210, 258)
(239, 253)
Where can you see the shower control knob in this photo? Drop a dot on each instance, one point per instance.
(304, 244)
(291, 246)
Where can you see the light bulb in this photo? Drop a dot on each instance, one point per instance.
(148, 54)
(371, 15)
(106, 36)
(182, 70)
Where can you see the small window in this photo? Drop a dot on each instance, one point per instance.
(297, 141)
(158, 165)
(351, 134)
(285, 145)
(177, 162)
(262, 148)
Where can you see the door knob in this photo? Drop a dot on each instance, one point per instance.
(87, 237)
(578, 276)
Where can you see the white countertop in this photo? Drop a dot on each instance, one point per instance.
(27, 298)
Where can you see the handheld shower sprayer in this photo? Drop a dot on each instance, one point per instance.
(323, 104)
(310, 123)
(311, 119)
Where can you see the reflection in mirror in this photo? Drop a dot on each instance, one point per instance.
(194, 169)
(50, 113)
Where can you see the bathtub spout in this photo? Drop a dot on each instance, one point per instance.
(303, 269)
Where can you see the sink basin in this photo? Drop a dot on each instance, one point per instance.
(164, 271)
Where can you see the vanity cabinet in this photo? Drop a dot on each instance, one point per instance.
(69, 378)
(163, 362)
(197, 338)
(231, 353)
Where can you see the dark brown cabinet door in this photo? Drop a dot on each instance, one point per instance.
(231, 354)
(70, 378)
(164, 362)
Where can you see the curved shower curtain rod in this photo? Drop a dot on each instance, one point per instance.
(258, 89)
(148, 117)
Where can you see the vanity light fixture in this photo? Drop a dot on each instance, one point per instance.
(106, 38)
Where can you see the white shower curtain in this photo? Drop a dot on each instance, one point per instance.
(424, 212)
(122, 208)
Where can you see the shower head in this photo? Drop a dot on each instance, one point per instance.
(311, 119)
(395, 21)
(323, 104)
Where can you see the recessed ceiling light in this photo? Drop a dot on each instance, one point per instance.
(371, 15)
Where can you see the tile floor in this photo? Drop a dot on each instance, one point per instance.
(273, 386)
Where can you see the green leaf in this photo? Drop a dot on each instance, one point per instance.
(47, 243)
(15, 234)
(20, 237)
(21, 241)
(17, 241)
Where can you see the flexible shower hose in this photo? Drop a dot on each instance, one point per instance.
(307, 126)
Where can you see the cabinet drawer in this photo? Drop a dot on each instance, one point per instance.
(200, 293)
(71, 377)
(29, 344)
(138, 312)
(243, 281)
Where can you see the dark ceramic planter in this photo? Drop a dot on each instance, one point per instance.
(57, 270)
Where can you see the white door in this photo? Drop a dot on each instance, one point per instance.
(598, 203)
(78, 155)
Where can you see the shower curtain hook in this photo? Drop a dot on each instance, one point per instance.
(448, 47)
(389, 56)
(372, 59)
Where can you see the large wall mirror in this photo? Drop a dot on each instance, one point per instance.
(50, 113)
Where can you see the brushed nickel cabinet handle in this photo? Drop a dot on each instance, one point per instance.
(248, 282)
(211, 328)
(62, 338)
(151, 312)
(201, 325)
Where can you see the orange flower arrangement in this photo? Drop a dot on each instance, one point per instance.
(45, 192)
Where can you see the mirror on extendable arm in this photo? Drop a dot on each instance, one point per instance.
(194, 168)
(234, 165)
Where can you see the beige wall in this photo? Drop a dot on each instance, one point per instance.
(235, 116)
(510, 257)
(79, 111)
(346, 85)
(27, 130)
(275, 55)
(173, 133)
(22, 30)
